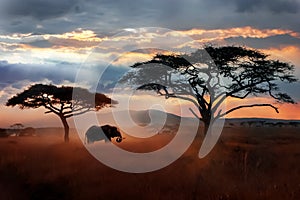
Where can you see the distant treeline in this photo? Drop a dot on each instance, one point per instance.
(29, 131)
(262, 123)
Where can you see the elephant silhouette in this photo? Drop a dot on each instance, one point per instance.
(98, 133)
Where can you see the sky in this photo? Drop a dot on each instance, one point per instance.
(54, 41)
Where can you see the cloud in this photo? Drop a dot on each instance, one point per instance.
(110, 78)
(129, 58)
(287, 54)
(275, 41)
(81, 39)
(78, 38)
(108, 17)
(11, 73)
(237, 33)
(273, 6)
(14, 77)
(40, 10)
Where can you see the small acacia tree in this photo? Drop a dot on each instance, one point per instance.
(17, 128)
(211, 75)
(61, 101)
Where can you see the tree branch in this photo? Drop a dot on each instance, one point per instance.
(241, 97)
(248, 106)
(244, 87)
(79, 113)
(193, 112)
(73, 110)
(53, 107)
(231, 94)
(50, 110)
(187, 99)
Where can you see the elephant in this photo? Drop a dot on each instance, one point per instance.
(106, 132)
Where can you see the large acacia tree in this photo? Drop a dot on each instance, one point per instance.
(64, 101)
(211, 75)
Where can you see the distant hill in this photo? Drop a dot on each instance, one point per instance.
(141, 118)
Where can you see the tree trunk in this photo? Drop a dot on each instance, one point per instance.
(197, 143)
(66, 127)
(206, 126)
(206, 118)
(193, 150)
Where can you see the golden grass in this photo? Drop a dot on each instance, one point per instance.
(247, 163)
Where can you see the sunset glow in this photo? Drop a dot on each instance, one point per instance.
(52, 49)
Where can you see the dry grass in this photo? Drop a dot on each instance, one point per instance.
(247, 163)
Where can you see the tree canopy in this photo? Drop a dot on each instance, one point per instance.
(209, 76)
(64, 101)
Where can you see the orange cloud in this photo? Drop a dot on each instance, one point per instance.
(129, 58)
(81, 35)
(287, 54)
(83, 38)
(248, 31)
(82, 41)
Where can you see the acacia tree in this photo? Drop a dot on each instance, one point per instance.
(211, 75)
(17, 128)
(61, 101)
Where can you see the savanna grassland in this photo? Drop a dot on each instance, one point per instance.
(246, 163)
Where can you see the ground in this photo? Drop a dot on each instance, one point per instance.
(246, 163)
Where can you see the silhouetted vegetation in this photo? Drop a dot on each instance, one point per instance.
(61, 101)
(212, 75)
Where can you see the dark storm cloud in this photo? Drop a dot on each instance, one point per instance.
(40, 44)
(56, 42)
(39, 9)
(58, 72)
(110, 78)
(45, 16)
(268, 42)
(13, 73)
(275, 6)
(107, 17)
(58, 16)
(15, 77)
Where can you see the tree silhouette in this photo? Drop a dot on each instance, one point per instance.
(17, 128)
(212, 75)
(61, 101)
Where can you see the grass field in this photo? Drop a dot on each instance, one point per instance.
(247, 163)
